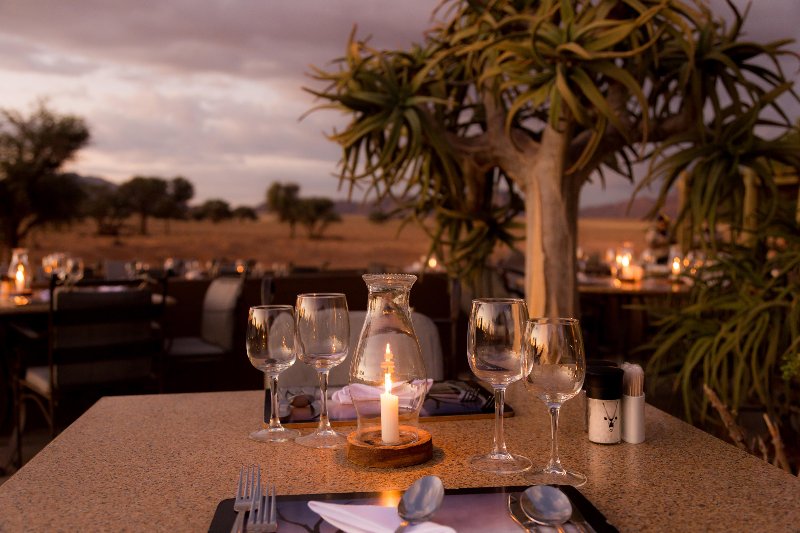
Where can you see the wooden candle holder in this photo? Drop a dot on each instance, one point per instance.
(370, 452)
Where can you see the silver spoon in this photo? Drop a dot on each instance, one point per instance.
(420, 501)
(546, 505)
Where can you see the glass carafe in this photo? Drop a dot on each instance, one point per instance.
(18, 270)
(387, 373)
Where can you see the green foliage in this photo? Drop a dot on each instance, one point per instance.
(244, 213)
(32, 150)
(740, 332)
(378, 216)
(316, 214)
(282, 199)
(107, 207)
(215, 210)
(451, 128)
(145, 195)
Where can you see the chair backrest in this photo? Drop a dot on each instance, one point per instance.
(302, 375)
(102, 334)
(220, 303)
(284, 289)
(115, 269)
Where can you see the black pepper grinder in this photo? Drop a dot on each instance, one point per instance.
(603, 404)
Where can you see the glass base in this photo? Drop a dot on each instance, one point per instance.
(500, 463)
(280, 434)
(548, 477)
(323, 439)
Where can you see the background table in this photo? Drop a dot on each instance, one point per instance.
(163, 463)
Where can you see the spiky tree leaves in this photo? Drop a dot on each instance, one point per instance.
(512, 98)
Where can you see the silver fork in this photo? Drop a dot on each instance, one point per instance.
(264, 518)
(249, 481)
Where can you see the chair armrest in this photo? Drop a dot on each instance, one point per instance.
(26, 332)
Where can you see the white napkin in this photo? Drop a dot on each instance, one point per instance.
(369, 392)
(369, 519)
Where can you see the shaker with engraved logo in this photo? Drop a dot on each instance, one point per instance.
(603, 404)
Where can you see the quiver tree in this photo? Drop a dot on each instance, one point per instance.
(535, 98)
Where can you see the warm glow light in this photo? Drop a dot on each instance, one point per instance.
(432, 262)
(390, 428)
(676, 266)
(388, 367)
(19, 281)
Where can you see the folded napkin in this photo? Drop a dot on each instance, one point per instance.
(369, 519)
(370, 392)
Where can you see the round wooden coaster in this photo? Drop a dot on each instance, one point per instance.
(378, 456)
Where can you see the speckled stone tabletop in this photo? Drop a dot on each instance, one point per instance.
(163, 463)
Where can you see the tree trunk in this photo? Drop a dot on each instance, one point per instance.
(551, 229)
(142, 224)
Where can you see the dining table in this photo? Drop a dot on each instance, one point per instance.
(165, 462)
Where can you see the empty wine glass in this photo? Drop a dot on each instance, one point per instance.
(270, 348)
(555, 365)
(73, 271)
(323, 336)
(494, 348)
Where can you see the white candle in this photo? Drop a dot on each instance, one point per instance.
(390, 427)
(19, 279)
(676, 266)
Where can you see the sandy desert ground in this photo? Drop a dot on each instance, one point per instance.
(354, 243)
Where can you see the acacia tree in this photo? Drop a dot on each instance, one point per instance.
(144, 194)
(32, 150)
(316, 214)
(533, 98)
(175, 204)
(283, 199)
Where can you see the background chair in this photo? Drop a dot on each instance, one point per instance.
(199, 362)
(302, 375)
(100, 340)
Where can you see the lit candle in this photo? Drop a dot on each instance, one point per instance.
(390, 427)
(676, 267)
(19, 279)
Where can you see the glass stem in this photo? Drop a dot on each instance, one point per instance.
(271, 381)
(555, 462)
(499, 435)
(324, 423)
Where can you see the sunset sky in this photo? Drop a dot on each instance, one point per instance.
(211, 89)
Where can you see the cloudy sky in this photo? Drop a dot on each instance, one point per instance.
(211, 89)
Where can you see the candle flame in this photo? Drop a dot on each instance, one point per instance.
(388, 367)
(20, 273)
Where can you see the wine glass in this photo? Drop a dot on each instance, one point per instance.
(73, 271)
(555, 365)
(323, 335)
(494, 348)
(270, 348)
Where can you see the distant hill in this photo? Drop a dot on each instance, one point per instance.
(637, 210)
(91, 180)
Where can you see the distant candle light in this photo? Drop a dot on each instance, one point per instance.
(19, 279)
